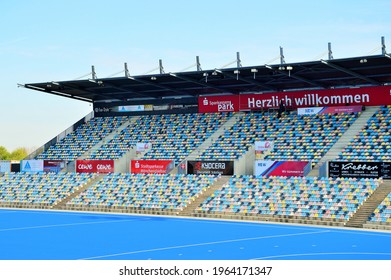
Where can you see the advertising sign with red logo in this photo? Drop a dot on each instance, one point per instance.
(365, 96)
(143, 147)
(151, 166)
(262, 146)
(281, 168)
(213, 104)
(95, 166)
(53, 165)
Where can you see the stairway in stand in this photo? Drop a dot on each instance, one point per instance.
(62, 204)
(189, 209)
(345, 139)
(366, 209)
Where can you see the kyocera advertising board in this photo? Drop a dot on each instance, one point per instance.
(210, 167)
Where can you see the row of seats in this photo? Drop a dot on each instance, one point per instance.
(295, 137)
(382, 213)
(299, 197)
(144, 191)
(39, 188)
(75, 144)
(373, 143)
(171, 136)
(310, 197)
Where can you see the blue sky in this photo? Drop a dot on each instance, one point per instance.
(46, 40)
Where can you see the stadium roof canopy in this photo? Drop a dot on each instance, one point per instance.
(321, 74)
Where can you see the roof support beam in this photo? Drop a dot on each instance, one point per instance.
(90, 91)
(282, 57)
(249, 81)
(198, 63)
(238, 61)
(383, 46)
(294, 76)
(154, 84)
(125, 90)
(350, 72)
(330, 52)
(199, 83)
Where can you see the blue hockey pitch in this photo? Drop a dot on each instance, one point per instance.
(52, 235)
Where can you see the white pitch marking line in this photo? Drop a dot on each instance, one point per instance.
(203, 244)
(320, 254)
(63, 225)
(383, 234)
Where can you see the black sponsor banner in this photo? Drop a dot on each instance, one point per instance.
(210, 167)
(360, 169)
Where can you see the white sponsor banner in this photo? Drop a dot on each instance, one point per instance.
(261, 147)
(131, 108)
(5, 166)
(142, 147)
(31, 166)
(261, 166)
(264, 145)
(309, 110)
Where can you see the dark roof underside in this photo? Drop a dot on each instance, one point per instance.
(336, 73)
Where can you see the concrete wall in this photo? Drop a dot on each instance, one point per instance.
(245, 164)
(122, 165)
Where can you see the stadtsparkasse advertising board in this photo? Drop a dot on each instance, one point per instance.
(151, 166)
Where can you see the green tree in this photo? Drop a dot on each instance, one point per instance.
(4, 154)
(18, 154)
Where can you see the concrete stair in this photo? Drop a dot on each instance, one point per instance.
(109, 137)
(61, 204)
(189, 209)
(367, 208)
(344, 140)
(208, 142)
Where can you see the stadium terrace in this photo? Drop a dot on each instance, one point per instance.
(194, 144)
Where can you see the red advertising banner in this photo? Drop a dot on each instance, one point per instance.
(53, 165)
(95, 166)
(365, 96)
(151, 166)
(224, 103)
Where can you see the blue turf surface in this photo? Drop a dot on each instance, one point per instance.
(50, 235)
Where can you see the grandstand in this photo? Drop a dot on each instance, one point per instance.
(214, 118)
